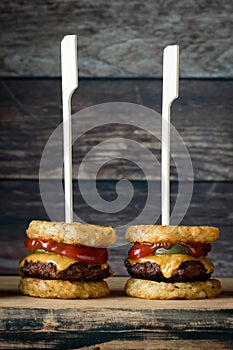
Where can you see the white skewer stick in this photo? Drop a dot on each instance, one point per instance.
(170, 93)
(69, 68)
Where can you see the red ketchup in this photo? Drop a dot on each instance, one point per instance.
(141, 250)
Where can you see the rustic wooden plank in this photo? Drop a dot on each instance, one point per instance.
(210, 205)
(147, 342)
(116, 39)
(87, 323)
(31, 110)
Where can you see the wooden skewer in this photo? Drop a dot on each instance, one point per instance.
(69, 68)
(170, 93)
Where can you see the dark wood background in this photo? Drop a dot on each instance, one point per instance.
(117, 38)
(120, 59)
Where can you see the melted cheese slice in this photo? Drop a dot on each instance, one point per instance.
(170, 263)
(62, 262)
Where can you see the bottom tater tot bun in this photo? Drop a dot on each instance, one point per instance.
(169, 262)
(67, 260)
(145, 289)
(57, 289)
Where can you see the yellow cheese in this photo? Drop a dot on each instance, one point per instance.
(62, 262)
(170, 263)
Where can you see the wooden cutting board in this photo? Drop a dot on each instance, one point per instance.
(114, 322)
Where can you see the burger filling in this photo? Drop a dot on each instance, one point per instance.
(89, 255)
(166, 262)
(140, 250)
(57, 260)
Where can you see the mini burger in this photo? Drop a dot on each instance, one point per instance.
(67, 261)
(169, 262)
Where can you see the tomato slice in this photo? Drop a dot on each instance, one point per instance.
(89, 255)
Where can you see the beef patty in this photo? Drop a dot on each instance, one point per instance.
(78, 271)
(188, 271)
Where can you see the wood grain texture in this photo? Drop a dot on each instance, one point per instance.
(210, 205)
(31, 110)
(114, 321)
(117, 38)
